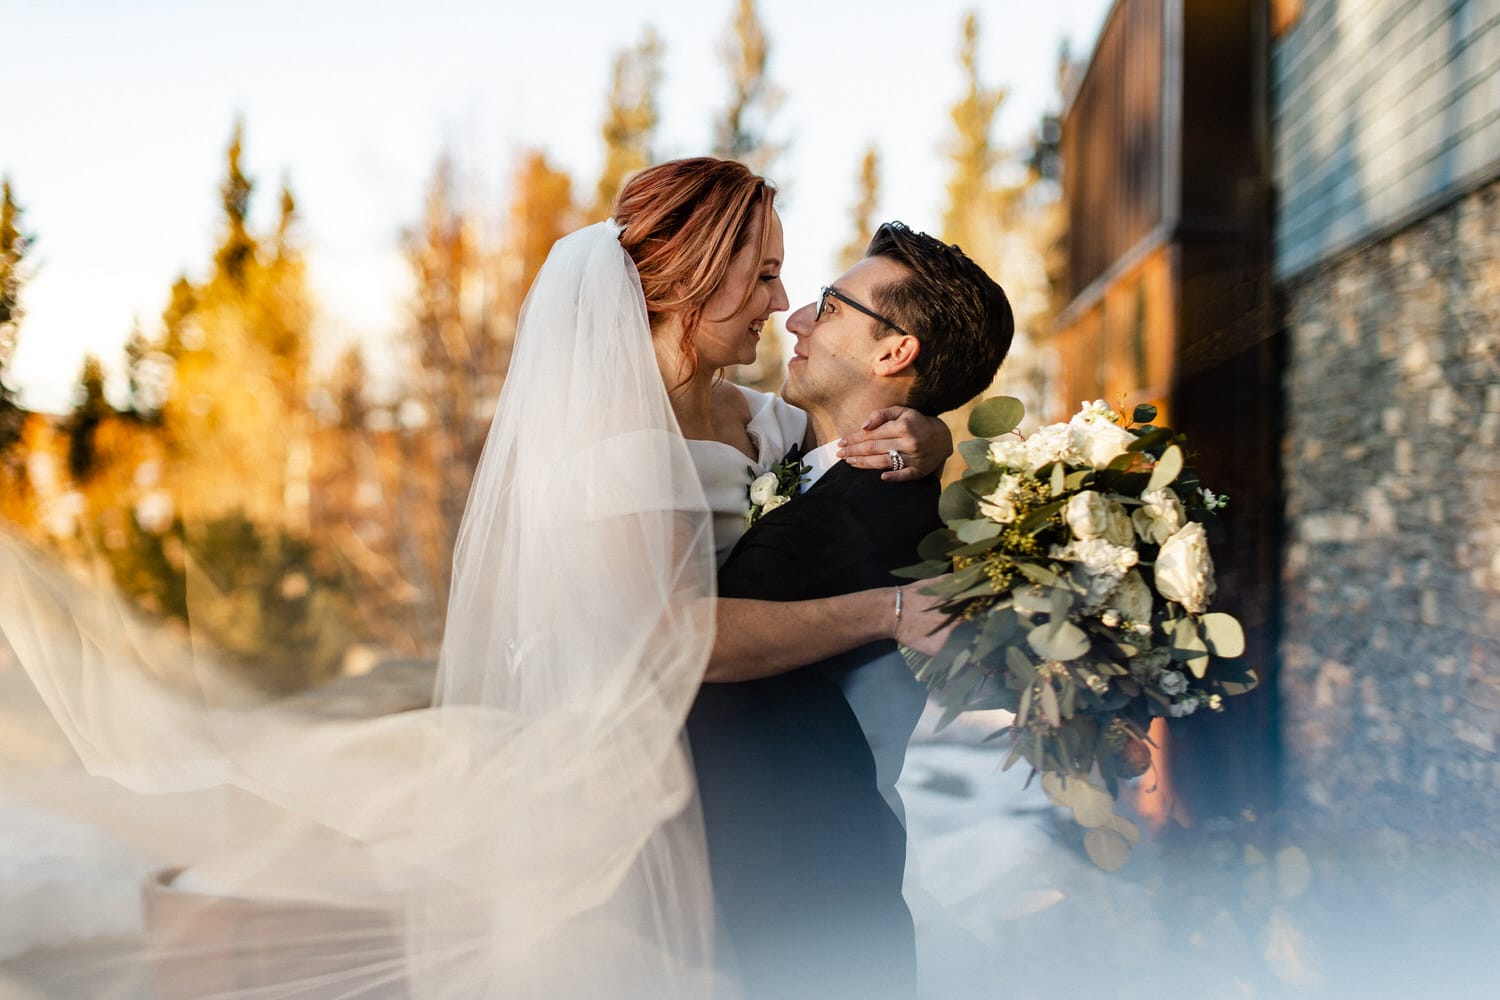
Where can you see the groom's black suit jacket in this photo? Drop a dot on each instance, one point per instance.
(806, 855)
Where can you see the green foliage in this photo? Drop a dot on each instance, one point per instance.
(996, 416)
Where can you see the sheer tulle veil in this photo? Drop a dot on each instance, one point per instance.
(534, 833)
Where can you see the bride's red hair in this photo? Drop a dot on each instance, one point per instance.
(684, 220)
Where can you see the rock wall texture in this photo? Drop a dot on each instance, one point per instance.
(1391, 575)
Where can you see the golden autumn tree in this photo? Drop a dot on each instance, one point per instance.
(742, 130)
(630, 119)
(862, 214)
(1004, 217)
(16, 500)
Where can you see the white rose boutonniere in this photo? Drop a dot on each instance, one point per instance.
(772, 489)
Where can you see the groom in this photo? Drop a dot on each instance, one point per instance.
(806, 853)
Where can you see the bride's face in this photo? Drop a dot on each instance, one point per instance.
(731, 325)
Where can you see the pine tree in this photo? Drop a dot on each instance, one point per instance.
(862, 215)
(89, 412)
(973, 206)
(741, 131)
(237, 251)
(14, 244)
(630, 119)
(349, 389)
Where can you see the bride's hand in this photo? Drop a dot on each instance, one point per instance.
(923, 442)
(922, 626)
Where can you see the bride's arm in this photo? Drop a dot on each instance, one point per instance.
(925, 442)
(758, 639)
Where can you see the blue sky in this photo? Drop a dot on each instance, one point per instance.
(117, 114)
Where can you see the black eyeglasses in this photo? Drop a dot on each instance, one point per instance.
(823, 304)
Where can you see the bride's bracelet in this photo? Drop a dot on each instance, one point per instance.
(896, 630)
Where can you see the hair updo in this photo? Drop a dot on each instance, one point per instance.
(683, 221)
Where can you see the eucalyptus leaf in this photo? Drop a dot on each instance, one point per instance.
(1188, 647)
(1000, 629)
(1037, 573)
(1092, 804)
(1152, 438)
(923, 570)
(1059, 478)
(936, 545)
(1039, 516)
(976, 530)
(1020, 664)
(976, 454)
(1106, 848)
(1049, 704)
(1223, 633)
(1166, 470)
(982, 483)
(1075, 480)
(1023, 708)
(1144, 413)
(996, 416)
(1235, 687)
(957, 504)
(979, 548)
(1059, 639)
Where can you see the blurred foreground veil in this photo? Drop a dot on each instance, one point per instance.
(535, 833)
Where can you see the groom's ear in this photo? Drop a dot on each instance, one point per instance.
(895, 353)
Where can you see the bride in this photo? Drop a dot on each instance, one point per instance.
(535, 832)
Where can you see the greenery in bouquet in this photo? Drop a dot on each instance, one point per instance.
(1076, 564)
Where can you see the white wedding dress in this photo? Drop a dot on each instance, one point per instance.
(533, 834)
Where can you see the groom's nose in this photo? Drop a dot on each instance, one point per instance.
(801, 321)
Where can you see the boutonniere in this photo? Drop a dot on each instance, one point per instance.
(774, 488)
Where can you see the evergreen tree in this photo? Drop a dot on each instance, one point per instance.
(741, 131)
(973, 208)
(237, 251)
(862, 215)
(89, 412)
(349, 385)
(630, 119)
(14, 244)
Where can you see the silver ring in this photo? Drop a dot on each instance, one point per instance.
(897, 462)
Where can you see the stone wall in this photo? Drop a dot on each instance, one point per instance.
(1391, 646)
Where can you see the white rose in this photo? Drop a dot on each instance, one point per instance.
(1172, 683)
(1053, 443)
(763, 489)
(1159, 517)
(1185, 571)
(1086, 513)
(1100, 442)
(1009, 452)
(1097, 435)
(1131, 598)
(776, 501)
(1103, 566)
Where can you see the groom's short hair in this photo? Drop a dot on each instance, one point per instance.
(958, 313)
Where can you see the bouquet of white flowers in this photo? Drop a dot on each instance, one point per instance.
(1081, 579)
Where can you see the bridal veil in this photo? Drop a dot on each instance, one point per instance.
(534, 833)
